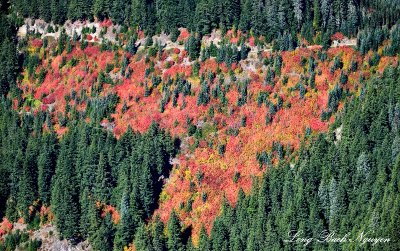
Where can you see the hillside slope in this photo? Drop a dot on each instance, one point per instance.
(126, 131)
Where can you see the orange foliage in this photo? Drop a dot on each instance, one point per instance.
(178, 69)
(184, 35)
(138, 110)
(337, 36)
(37, 43)
(5, 227)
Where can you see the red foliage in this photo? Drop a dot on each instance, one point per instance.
(234, 66)
(251, 41)
(316, 124)
(92, 50)
(49, 100)
(37, 43)
(184, 35)
(44, 107)
(337, 36)
(287, 126)
(113, 211)
(106, 23)
(209, 65)
(141, 34)
(186, 70)
(5, 226)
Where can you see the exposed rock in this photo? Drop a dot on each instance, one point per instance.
(51, 240)
(40, 26)
(338, 134)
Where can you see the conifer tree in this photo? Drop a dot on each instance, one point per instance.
(65, 197)
(158, 240)
(8, 66)
(125, 228)
(28, 182)
(174, 241)
(46, 166)
(117, 12)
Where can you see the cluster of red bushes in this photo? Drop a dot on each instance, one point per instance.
(222, 173)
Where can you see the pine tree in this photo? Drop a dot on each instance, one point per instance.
(28, 182)
(139, 13)
(44, 10)
(298, 7)
(167, 14)
(15, 176)
(75, 10)
(193, 47)
(104, 234)
(46, 166)
(158, 240)
(174, 241)
(125, 228)
(220, 236)
(245, 15)
(59, 11)
(8, 66)
(65, 197)
(204, 243)
(317, 15)
(203, 17)
(118, 11)
(101, 9)
(102, 189)
(230, 13)
(326, 12)
(258, 23)
(142, 240)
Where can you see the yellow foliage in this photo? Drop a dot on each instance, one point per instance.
(164, 196)
(187, 174)
(36, 103)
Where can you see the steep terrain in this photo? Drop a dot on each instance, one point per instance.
(199, 125)
(234, 120)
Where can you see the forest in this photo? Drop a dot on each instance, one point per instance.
(200, 125)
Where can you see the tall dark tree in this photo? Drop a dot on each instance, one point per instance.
(174, 241)
(46, 166)
(8, 65)
(65, 197)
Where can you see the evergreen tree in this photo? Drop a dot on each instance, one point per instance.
(102, 189)
(142, 240)
(158, 240)
(139, 13)
(167, 14)
(125, 228)
(8, 66)
(28, 181)
(46, 166)
(58, 11)
(174, 241)
(76, 10)
(101, 8)
(118, 11)
(65, 199)
(193, 47)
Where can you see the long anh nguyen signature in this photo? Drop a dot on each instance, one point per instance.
(325, 236)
